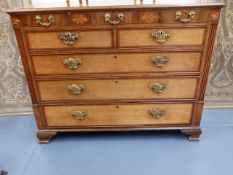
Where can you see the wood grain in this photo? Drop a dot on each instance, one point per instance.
(143, 38)
(107, 63)
(110, 6)
(88, 39)
(118, 115)
(118, 89)
(116, 68)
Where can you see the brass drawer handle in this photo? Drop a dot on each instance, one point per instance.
(76, 89)
(157, 113)
(161, 36)
(69, 38)
(72, 63)
(107, 18)
(46, 23)
(191, 16)
(159, 61)
(157, 87)
(79, 115)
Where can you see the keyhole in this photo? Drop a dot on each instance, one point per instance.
(115, 57)
(117, 106)
(116, 81)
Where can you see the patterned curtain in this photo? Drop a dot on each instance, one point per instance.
(13, 88)
(220, 85)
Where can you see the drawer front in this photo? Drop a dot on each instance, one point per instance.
(101, 63)
(118, 89)
(183, 16)
(101, 115)
(76, 39)
(161, 37)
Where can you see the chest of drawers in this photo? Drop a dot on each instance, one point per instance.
(117, 68)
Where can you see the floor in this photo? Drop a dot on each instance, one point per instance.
(137, 153)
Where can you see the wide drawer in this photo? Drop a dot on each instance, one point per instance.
(161, 37)
(129, 17)
(101, 63)
(113, 115)
(70, 39)
(156, 88)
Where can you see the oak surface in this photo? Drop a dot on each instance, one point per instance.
(61, 116)
(118, 89)
(142, 37)
(44, 5)
(107, 63)
(117, 70)
(87, 39)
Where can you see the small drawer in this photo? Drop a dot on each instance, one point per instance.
(86, 39)
(182, 16)
(50, 20)
(116, 115)
(161, 37)
(80, 19)
(179, 16)
(117, 63)
(157, 88)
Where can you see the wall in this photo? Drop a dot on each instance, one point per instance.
(13, 89)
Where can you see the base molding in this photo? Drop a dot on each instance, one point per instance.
(15, 111)
(45, 136)
(192, 133)
(216, 105)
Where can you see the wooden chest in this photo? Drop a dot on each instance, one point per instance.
(135, 66)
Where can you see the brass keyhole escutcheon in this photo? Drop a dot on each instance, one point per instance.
(185, 17)
(69, 38)
(157, 113)
(45, 21)
(159, 61)
(79, 115)
(76, 89)
(72, 63)
(120, 16)
(157, 87)
(161, 36)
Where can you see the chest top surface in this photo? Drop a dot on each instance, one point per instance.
(62, 5)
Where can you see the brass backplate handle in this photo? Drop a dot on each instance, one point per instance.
(159, 61)
(157, 87)
(69, 38)
(161, 36)
(79, 115)
(45, 22)
(120, 16)
(157, 113)
(179, 16)
(76, 89)
(72, 63)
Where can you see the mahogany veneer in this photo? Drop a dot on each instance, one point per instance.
(117, 68)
